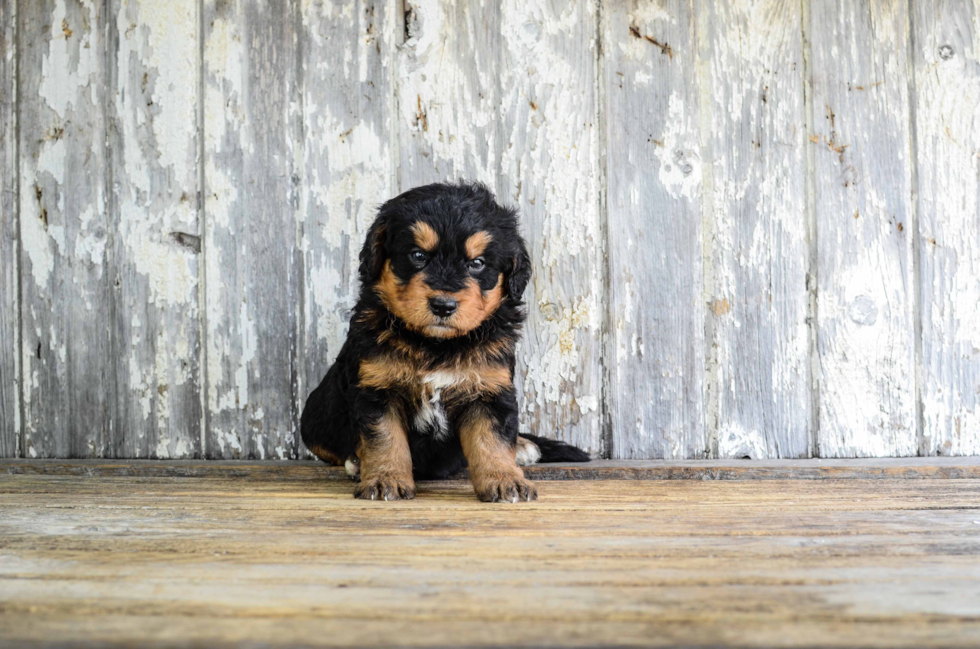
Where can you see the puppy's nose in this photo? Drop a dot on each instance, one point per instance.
(443, 306)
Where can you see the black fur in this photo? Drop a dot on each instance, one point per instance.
(340, 411)
(553, 450)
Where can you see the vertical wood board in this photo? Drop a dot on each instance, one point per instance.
(250, 242)
(153, 159)
(348, 103)
(946, 106)
(447, 92)
(655, 351)
(755, 212)
(550, 171)
(66, 349)
(9, 262)
(865, 283)
(656, 150)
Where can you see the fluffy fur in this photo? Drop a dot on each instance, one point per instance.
(423, 386)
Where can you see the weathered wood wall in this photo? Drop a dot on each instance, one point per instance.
(755, 224)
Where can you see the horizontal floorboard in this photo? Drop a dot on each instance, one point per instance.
(227, 560)
(815, 469)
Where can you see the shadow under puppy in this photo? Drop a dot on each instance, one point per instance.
(424, 384)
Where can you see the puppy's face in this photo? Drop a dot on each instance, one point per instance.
(445, 260)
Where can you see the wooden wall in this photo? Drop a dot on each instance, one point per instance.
(755, 224)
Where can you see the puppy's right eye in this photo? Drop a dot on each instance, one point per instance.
(418, 257)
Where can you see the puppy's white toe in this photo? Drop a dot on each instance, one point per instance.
(527, 452)
(353, 468)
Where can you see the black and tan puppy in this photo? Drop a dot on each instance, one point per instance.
(424, 385)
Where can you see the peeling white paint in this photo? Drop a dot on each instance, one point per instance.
(753, 115)
(520, 115)
(34, 240)
(346, 159)
(865, 286)
(446, 100)
(70, 63)
(171, 29)
(172, 278)
(549, 169)
(680, 164)
(947, 130)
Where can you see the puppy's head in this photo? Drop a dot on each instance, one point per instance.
(443, 258)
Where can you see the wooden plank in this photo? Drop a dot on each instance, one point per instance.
(946, 106)
(217, 562)
(550, 171)
(250, 243)
(865, 284)
(348, 107)
(9, 258)
(64, 230)
(655, 354)
(911, 468)
(154, 68)
(447, 93)
(759, 378)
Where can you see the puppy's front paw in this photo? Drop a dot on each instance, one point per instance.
(510, 488)
(385, 487)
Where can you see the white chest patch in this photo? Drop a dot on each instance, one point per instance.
(431, 417)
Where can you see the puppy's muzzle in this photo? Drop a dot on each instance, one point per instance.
(442, 306)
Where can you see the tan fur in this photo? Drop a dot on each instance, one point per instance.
(475, 376)
(368, 315)
(425, 237)
(387, 371)
(410, 302)
(386, 461)
(479, 379)
(477, 243)
(325, 455)
(493, 464)
(475, 306)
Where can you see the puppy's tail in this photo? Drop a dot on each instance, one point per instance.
(551, 450)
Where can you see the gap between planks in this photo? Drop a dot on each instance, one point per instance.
(918, 468)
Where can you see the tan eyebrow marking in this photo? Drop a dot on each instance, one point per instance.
(425, 237)
(477, 243)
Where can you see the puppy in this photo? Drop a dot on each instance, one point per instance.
(424, 384)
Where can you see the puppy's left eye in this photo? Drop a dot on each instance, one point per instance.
(476, 265)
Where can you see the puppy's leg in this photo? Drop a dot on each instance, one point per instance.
(386, 461)
(490, 447)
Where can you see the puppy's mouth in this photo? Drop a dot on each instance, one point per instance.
(441, 329)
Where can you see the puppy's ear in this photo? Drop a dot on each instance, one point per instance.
(520, 273)
(373, 254)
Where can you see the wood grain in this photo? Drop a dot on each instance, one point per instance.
(447, 93)
(759, 379)
(252, 258)
(65, 231)
(9, 258)
(865, 279)
(184, 187)
(656, 350)
(914, 468)
(550, 170)
(154, 164)
(347, 162)
(218, 561)
(946, 106)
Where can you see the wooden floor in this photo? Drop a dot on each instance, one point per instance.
(150, 554)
